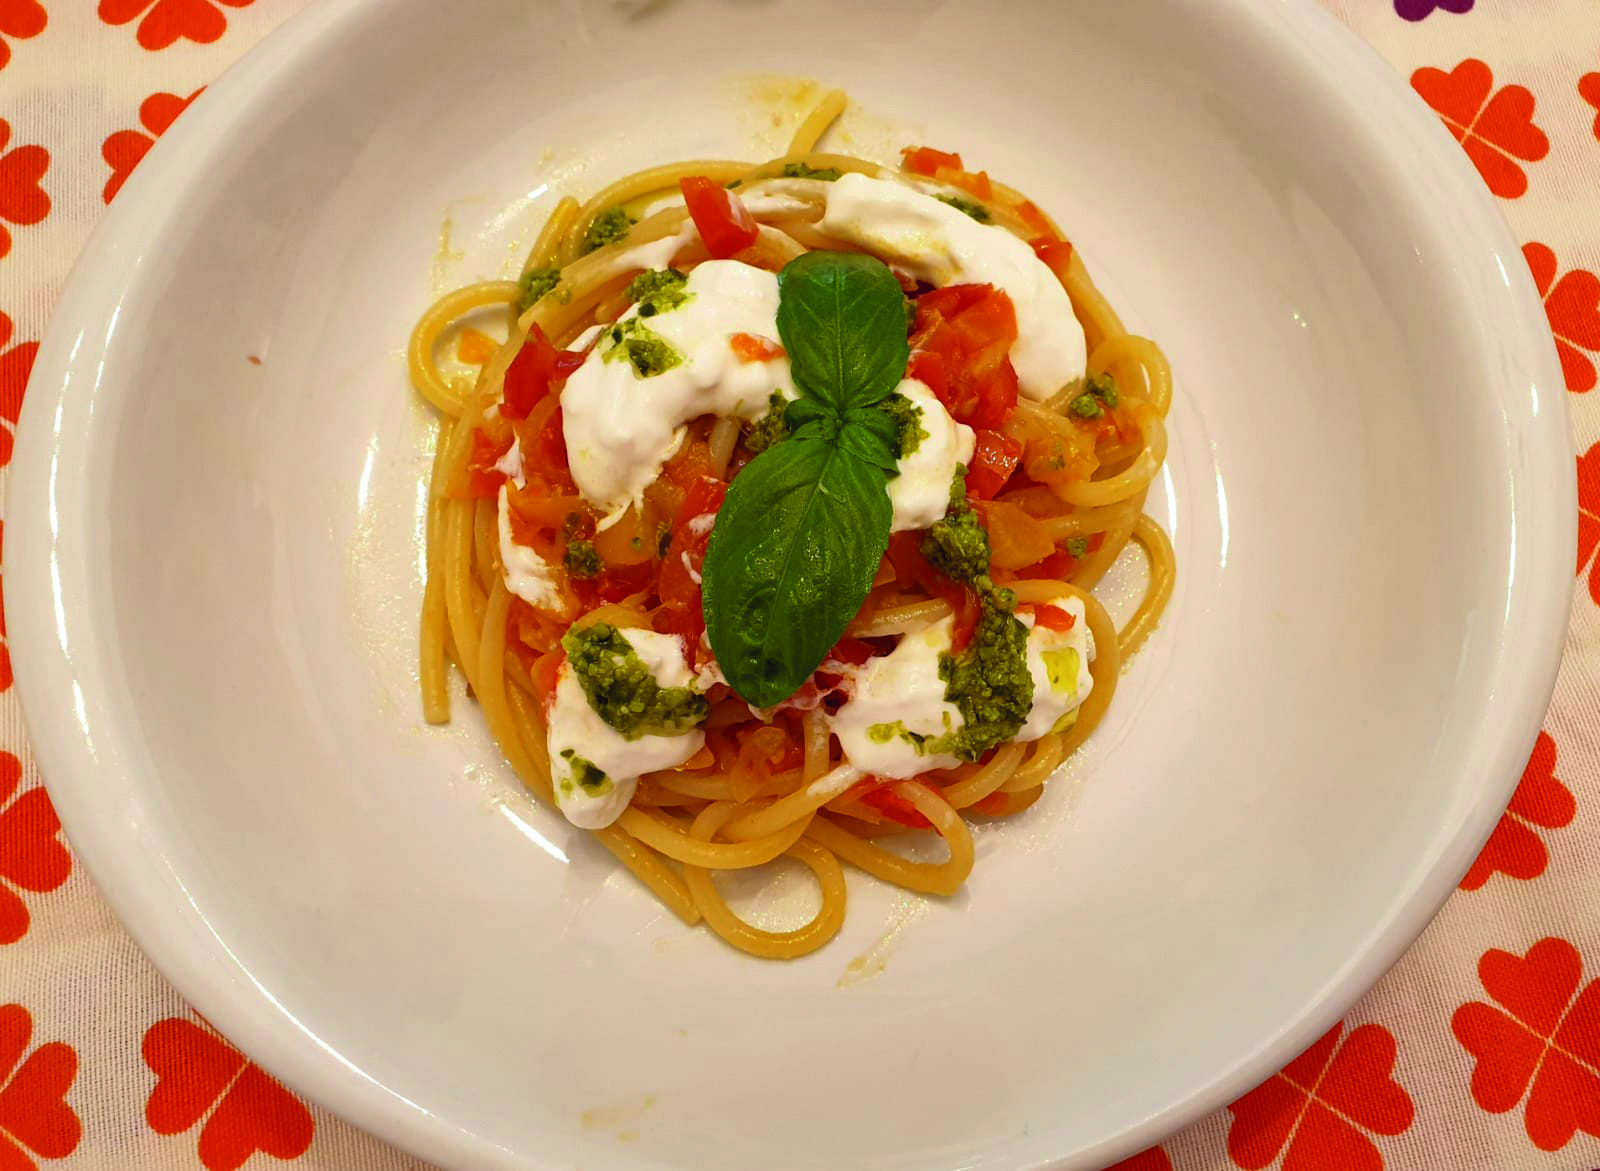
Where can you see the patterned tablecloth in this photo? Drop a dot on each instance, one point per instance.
(1480, 1050)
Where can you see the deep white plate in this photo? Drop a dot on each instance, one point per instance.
(213, 581)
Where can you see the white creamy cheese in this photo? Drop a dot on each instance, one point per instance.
(1059, 662)
(895, 698)
(942, 245)
(621, 428)
(899, 697)
(920, 494)
(577, 729)
(528, 575)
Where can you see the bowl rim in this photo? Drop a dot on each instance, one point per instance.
(52, 684)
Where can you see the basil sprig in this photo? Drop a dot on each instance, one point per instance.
(799, 539)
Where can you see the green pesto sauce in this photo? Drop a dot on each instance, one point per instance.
(621, 689)
(608, 227)
(989, 682)
(957, 546)
(535, 283)
(642, 347)
(976, 210)
(801, 171)
(581, 559)
(658, 291)
(907, 417)
(589, 778)
(771, 428)
(1099, 392)
(1077, 546)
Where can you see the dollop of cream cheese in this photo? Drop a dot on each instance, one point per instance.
(898, 698)
(621, 428)
(894, 699)
(920, 494)
(576, 728)
(943, 245)
(1059, 662)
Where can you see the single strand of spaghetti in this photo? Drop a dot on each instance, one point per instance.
(989, 777)
(775, 945)
(486, 542)
(432, 670)
(939, 878)
(420, 360)
(546, 248)
(1094, 567)
(1036, 770)
(724, 434)
(899, 619)
(665, 836)
(458, 588)
(639, 184)
(1100, 320)
(1163, 572)
(648, 868)
(816, 123)
(795, 809)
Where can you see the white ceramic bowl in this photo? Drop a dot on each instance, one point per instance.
(213, 580)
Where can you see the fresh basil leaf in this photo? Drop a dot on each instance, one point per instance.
(841, 316)
(789, 562)
(870, 434)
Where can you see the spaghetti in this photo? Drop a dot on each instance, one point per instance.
(554, 547)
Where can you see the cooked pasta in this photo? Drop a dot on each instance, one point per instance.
(600, 562)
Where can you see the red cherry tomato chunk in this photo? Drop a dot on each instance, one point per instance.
(724, 223)
(994, 458)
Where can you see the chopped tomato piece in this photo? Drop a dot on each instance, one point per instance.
(969, 329)
(551, 448)
(1015, 538)
(704, 496)
(925, 160)
(852, 651)
(1057, 567)
(483, 478)
(895, 807)
(994, 458)
(1054, 618)
(474, 347)
(749, 347)
(724, 223)
(994, 805)
(545, 671)
(1056, 253)
(537, 367)
(973, 182)
(1035, 221)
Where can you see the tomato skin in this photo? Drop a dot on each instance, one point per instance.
(925, 160)
(994, 458)
(895, 807)
(1055, 253)
(546, 670)
(749, 347)
(1054, 618)
(681, 611)
(483, 478)
(852, 651)
(960, 346)
(725, 224)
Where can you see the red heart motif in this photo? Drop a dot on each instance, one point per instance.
(1359, 1086)
(1589, 91)
(22, 199)
(1262, 1121)
(168, 20)
(21, 19)
(1541, 798)
(1513, 848)
(1535, 989)
(1456, 96)
(33, 1107)
(1493, 130)
(256, 1115)
(192, 1066)
(1565, 1099)
(1589, 516)
(195, 1068)
(125, 149)
(1326, 1141)
(1505, 1052)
